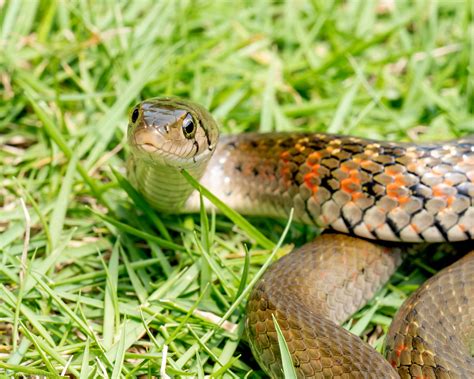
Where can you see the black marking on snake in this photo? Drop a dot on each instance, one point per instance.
(393, 227)
(206, 133)
(440, 229)
(462, 190)
(415, 191)
(238, 167)
(368, 188)
(348, 224)
(286, 143)
(253, 144)
(315, 222)
(411, 218)
(463, 212)
(196, 144)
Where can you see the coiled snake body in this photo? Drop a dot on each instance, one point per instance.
(374, 190)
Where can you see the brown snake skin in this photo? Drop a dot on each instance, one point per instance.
(317, 287)
(375, 190)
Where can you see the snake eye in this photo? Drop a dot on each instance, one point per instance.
(135, 115)
(189, 128)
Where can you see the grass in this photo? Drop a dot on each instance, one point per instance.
(95, 284)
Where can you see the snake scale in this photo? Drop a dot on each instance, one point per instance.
(368, 191)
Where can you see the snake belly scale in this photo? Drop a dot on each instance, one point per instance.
(379, 191)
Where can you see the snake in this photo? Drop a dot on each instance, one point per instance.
(373, 197)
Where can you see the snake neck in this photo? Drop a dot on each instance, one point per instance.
(164, 187)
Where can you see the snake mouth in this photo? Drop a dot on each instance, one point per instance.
(154, 146)
(147, 140)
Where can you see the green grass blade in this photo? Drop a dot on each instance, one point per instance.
(27, 370)
(289, 371)
(138, 233)
(111, 311)
(85, 368)
(61, 205)
(231, 214)
(118, 362)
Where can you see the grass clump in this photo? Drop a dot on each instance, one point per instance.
(95, 284)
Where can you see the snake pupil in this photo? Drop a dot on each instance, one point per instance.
(135, 114)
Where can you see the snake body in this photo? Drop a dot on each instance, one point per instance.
(381, 191)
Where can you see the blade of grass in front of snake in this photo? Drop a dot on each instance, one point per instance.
(245, 273)
(287, 364)
(240, 221)
(260, 272)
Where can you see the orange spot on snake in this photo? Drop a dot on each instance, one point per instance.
(285, 174)
(285, 156)
(391, 171)
(357, 195)
(403, 199)
(313, 159)
(400, 180)
(352, 183)
(393, 191)
(347, 185)
(344, 168)
(365, 163)
(400, 349)
(308, 181)
(438, 191)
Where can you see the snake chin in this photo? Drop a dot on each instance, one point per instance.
(156, 155)
(148, 147)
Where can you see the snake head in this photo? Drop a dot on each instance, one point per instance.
(172, 132)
